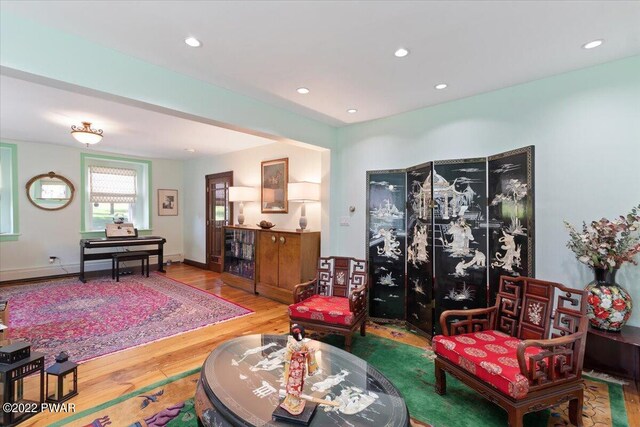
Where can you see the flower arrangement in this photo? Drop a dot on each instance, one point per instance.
(606, 244)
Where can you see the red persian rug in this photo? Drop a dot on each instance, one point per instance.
(89, 320)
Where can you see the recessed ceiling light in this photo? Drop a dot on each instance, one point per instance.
(193, 42)
(401, 53)
(592, 44)
(190, 150)
(303, 90)
(441, 86)
(352, 111)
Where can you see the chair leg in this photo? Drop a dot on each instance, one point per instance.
(347, 342)
(575, 409)
(363, 328)
(113, 268)
(515, 417)
(142, 267)
(117, 270)
(441, 380)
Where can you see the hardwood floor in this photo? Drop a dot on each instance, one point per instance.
(111, 376)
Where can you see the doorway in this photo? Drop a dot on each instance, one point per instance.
(219, 214)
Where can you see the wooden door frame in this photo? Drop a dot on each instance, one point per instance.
(228, 174)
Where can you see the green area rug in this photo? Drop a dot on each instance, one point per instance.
(411, 369)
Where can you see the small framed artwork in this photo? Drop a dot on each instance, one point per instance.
(275, 176)
(167, 202)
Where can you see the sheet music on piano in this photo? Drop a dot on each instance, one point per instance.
(120, 230)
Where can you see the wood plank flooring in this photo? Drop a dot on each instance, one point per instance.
(108, 377)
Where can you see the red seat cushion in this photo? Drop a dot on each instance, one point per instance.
(326, 309)
(490, 356)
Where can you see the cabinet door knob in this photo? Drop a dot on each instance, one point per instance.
(273, 238)
(282, 239)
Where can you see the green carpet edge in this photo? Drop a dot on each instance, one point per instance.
(619, 416)
(124, 397)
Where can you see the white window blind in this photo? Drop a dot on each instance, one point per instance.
(112, 185)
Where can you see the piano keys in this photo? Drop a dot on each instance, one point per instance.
(113, 242)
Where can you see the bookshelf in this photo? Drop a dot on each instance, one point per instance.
(239, 268)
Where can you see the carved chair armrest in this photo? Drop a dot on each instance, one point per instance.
(358, 300)
(304, 290)
(560, 359)
(471, 321)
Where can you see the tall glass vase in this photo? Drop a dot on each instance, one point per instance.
(609, 305)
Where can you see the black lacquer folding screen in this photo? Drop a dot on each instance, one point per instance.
(460, 235)
(386, 249)
(420, 248)
(511, 220)
(440, 234)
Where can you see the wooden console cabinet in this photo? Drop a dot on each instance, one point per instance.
(285, 259)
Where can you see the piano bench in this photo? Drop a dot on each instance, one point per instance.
(128, 256)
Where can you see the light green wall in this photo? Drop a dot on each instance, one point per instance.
(585, 126)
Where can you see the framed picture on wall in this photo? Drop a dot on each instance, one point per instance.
(167, 202)
(273, 195)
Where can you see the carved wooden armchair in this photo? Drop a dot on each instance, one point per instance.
(335, 301)
(521, 353)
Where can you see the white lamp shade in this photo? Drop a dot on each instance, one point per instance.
(86, 137)
(303, 191)
(242, 194)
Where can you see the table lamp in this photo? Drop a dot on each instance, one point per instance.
(303, 192)
(242, 194)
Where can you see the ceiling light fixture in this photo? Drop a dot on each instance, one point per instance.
(190, 150)
(592, 44)
(302, 90)
(352, 111)
(192, 42)
(401, 53)
(441, 86)
(85, 134)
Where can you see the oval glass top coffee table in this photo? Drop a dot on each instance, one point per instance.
(241, 379)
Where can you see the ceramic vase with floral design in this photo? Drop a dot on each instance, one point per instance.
(609, 304)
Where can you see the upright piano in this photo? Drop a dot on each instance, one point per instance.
(119, 242)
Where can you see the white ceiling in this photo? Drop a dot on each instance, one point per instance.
(39, 113)
(343, 50)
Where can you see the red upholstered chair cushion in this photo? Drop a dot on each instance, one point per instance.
(490, 356)
(323, 308)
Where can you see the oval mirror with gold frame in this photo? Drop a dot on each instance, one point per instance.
(50, 191)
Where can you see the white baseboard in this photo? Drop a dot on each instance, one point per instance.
(73, 268)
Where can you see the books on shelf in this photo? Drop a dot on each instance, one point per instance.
(240, 252)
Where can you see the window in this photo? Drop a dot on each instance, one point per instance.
(115, 188)
(8, 192)
(53, 189)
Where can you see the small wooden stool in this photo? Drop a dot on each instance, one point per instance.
(128, 256)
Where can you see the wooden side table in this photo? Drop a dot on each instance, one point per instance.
(614, 353)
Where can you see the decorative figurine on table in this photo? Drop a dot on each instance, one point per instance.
(299, 358)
